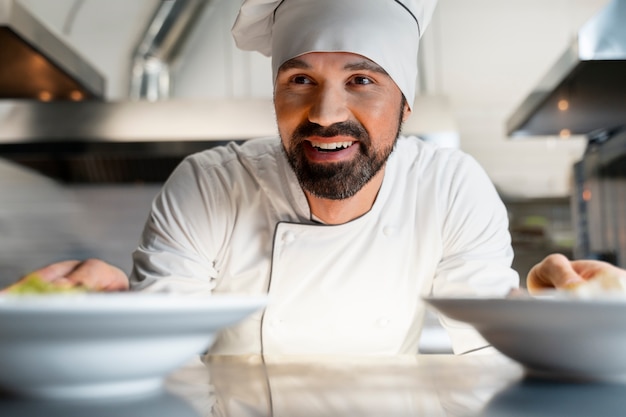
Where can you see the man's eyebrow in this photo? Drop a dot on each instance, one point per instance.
(296, 63)
(365, 66)
(293, 63)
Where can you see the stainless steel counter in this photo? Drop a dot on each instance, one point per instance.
(422, 385)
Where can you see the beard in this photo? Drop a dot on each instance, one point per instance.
(337, 180)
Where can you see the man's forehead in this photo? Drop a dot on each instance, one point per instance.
(349, 62)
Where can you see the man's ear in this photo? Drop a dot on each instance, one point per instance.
(406, 111)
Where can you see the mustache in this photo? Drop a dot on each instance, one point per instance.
(348, 128)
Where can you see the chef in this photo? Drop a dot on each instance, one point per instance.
(345, 223)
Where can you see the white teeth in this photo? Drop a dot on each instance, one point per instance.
(332, 146)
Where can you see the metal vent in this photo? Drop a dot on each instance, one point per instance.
(584, 93)
(36, 64)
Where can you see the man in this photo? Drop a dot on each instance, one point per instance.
(342, 223)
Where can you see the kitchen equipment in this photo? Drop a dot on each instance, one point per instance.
(585, 90)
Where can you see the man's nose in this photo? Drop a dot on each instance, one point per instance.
(329, 106)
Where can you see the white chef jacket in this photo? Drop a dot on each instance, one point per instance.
(234, 219)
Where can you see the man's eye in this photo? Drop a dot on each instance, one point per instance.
(301, 79)
(362, 80)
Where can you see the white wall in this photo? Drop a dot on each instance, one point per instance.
(485, 55)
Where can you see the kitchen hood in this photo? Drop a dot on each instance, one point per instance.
(584, 93)
(36, 64)
(127, 141)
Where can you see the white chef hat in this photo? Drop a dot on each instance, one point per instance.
(385, 31)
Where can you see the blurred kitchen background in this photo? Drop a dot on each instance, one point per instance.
(99, 100)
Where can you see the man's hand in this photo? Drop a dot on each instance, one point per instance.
(556, 271)
(92, 275)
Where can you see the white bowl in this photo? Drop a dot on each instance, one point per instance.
(556, 338)
(108, 344)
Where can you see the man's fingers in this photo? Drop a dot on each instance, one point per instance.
(555, 271)
(57, 270)
(49, 274)
(97, 275)
(589, 269)
(93, 274)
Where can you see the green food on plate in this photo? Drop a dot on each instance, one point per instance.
(34, 284)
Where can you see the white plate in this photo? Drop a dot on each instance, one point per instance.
(558, 338)
(103, 345)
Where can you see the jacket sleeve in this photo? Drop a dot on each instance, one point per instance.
(175, 253)
(477, 252)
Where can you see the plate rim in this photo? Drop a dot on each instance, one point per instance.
(127, 302)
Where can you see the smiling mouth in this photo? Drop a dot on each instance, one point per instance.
(331, 147)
